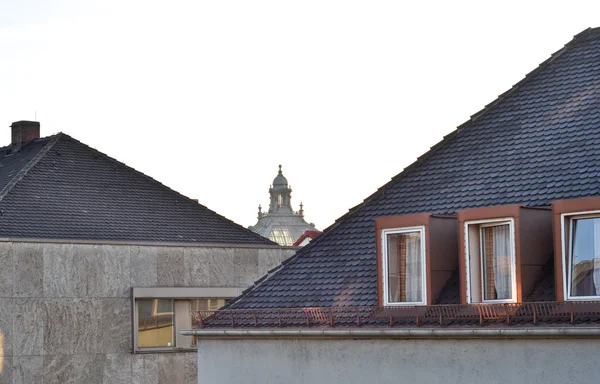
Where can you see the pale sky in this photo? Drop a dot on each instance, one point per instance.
(208, 97)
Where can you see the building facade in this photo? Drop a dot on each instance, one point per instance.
(101, 266)
(477, 263)
(281, 223)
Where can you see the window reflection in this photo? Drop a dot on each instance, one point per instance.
(281, 236)
(155, 322)
(585, 265)
(206, 305)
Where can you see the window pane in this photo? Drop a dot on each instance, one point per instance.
(155, 323)
(405, 269)
(585, 267)
(204, 305)
(281, 236)
(496, 255)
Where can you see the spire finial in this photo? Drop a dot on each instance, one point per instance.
(280, 169)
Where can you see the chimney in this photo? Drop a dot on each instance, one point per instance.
(23, 132)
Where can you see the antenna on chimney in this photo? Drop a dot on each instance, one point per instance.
(34, 115)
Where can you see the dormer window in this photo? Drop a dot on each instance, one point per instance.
(504, 251)
(583, 256)
(416, 255)
(491, 260)
(577, 248)
(404, 266)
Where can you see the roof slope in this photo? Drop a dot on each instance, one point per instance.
(538, 142)
(57, 187)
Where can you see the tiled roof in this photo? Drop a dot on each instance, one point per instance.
(59, 188)
(536, 143)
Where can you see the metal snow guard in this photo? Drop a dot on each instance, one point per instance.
(529, 313)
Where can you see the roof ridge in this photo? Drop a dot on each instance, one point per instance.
(180, 195)
(30, 165)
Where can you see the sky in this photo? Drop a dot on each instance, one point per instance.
(209, 97)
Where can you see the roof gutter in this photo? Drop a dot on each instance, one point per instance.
(405, 333)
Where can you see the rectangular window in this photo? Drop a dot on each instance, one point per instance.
(404, 266)
(160, 320)
(281, 236)
(582, 257)
(155, 323)
(491, 261)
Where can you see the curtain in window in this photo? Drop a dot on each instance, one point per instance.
(405, 269)
(502, 270)
(414, 276)
(497, 262)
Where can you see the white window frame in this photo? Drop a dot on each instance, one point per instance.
(482, 224)
(566, 266)
(385, 261)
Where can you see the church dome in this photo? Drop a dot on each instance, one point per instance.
(281, 223)
(280, 180)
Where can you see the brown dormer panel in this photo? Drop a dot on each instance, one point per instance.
(531, 247)
(441, 249)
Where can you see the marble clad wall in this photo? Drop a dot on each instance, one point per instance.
(65, 309)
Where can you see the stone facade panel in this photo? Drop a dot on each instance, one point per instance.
(87, 325)
(171, 269)
(196, 263)
(88, 368)
(6, 327)
(145, 369)
(6, 272)
(116, 325)
(28, 266)
(28, 370)
(58, 369)
(245, 266)
(143, 261)
(28, 326)
(220, 267)
(58, 326)
(117, 368)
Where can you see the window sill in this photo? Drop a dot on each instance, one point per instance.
(583, 298)
(396, 305)
(146, 351)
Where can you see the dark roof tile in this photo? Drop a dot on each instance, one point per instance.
(59, 188)
(536, 143)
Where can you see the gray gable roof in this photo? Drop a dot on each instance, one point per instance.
(538, 142)
(59, 188)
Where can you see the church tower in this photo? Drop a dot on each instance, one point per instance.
(281, 223)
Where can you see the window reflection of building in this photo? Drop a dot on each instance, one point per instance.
(206, 305)
(155, 322)
(159, 320)
(585, 250)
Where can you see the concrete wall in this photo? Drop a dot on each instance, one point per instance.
(442, 361)
(65, 309)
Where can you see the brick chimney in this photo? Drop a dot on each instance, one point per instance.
(23, 132)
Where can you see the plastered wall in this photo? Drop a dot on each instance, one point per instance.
(65, 309)
(382, 361)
